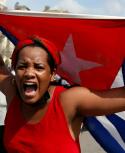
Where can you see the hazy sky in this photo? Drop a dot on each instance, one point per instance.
(105, 7)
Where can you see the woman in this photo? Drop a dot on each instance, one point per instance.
(42, 117)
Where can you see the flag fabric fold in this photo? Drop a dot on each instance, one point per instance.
(102, 133)
(92, 51)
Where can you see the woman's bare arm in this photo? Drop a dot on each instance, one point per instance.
(86, 102)
(6, 78)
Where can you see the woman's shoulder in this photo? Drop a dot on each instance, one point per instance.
(72, 93)
(75, 95)
(74, 90)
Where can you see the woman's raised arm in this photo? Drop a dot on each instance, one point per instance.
(88, 103)
(6, 85)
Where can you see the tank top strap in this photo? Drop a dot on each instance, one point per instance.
(58, 90)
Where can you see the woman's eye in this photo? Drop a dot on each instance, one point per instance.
(39, 67)
(21, 67)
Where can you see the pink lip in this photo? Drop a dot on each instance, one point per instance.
(30, 93)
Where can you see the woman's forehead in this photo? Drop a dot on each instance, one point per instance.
(34, 53)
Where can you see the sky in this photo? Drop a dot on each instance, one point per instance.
(94, 7)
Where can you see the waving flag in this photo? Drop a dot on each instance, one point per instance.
(109, 130)
(92, 50)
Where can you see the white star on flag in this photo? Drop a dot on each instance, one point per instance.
(72, 64)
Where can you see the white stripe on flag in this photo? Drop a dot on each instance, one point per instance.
(111, 129)
(118, 82)
(121, 115)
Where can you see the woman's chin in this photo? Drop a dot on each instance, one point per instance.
(30, 99)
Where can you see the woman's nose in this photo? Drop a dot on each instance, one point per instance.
(29, 73)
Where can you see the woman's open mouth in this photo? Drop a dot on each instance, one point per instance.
(30, 89)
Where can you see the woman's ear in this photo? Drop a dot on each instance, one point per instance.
(53, 76)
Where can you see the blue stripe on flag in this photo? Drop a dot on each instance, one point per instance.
(119, 123)
(12, 38)
(102, 136)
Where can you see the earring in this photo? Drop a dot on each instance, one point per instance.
(54, 79)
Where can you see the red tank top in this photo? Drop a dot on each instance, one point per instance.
(50, 135)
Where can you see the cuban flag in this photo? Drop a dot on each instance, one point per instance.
(92, 50)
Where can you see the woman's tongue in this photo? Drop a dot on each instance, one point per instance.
(30, 91)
